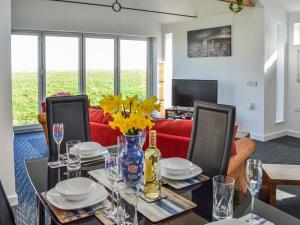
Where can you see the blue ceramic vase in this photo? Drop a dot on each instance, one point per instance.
(132, 160)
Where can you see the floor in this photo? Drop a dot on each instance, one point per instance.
(33, 145)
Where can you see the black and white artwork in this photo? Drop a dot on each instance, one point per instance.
(211, 42)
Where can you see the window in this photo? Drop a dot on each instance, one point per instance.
(296, 33)
(99, 64)
(62, 64)
(133, 57)
(46, 63)
(280, 74)
(24, 51)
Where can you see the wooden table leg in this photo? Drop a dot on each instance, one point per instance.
(40, 212)
(272, 195)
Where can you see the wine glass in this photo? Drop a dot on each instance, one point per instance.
(112, 174)
(143, 134)
(254, 180)
(58, 135)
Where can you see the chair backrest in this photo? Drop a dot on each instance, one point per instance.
(73, 112)
(6, 214)
(212, 135)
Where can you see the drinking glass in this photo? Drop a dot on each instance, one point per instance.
(127, 206)
(112, 173)
(58, 135)
(73, 156)
(223, 188)
(254, 180)
(120, 144)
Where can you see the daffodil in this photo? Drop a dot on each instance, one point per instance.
(130, 116)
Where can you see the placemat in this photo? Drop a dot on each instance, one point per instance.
(157, 211)
(180, 184)
(259, 220)
(68, 216)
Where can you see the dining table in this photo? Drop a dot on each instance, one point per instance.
(44, 178)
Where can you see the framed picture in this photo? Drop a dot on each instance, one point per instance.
(211, 42)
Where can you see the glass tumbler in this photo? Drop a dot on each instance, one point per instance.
(73, 161)
(223, 189)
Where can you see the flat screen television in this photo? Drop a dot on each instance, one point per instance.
(185, 92)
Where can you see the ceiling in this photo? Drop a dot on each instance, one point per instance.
(201, 8)
(291, 5)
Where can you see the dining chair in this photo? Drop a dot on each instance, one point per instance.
(210, 147)
(73, 112)
(6, 214)
(212, 135)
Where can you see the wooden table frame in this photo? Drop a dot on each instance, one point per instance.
(270, 184)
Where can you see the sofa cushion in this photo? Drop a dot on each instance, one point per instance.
(96, 115)
(107, 118)
(182, 128)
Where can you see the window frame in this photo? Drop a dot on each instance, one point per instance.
(41, 34)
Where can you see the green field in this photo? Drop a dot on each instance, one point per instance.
(98, 83)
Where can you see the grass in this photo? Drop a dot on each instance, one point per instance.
(98, 83)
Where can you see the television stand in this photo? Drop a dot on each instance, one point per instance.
(179, 113)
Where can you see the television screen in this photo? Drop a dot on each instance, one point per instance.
(185, 92)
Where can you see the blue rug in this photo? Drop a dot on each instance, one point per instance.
(27, 146)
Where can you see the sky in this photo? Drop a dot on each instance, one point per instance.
(62, 53)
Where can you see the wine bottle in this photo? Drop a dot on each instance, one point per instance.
(152, 173)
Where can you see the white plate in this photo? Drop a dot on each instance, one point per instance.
(88, 148)
(100, 152)
(176, 166)
(75, 189)
(193, 172)
(99, 194)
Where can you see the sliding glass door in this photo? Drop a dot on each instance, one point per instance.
(62, 64)
(99, 67)
(24, 52)
(133, 67)
(47, 63)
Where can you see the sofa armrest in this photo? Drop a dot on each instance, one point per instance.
(244, 148)
(237, 164)
(42, 118)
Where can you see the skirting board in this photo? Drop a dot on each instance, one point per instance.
(275, 135)
(13, 200)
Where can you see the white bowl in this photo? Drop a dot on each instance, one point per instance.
(75, 189)
(176, 166)
(88, 148)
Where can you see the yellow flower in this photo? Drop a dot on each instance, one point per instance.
(129, 115)
(149, 105)
(130, 103)
(111, 104)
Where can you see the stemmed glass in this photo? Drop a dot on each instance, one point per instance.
(254, 180)
(58, 135)
(143, 135)
(112, 173)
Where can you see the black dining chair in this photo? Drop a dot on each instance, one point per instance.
(6, 214)
(210, 146)
(73, 112)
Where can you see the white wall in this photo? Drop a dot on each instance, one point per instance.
(274, 14)
(246, 63)
(294, 87)
(49, 15)
(7, 174)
